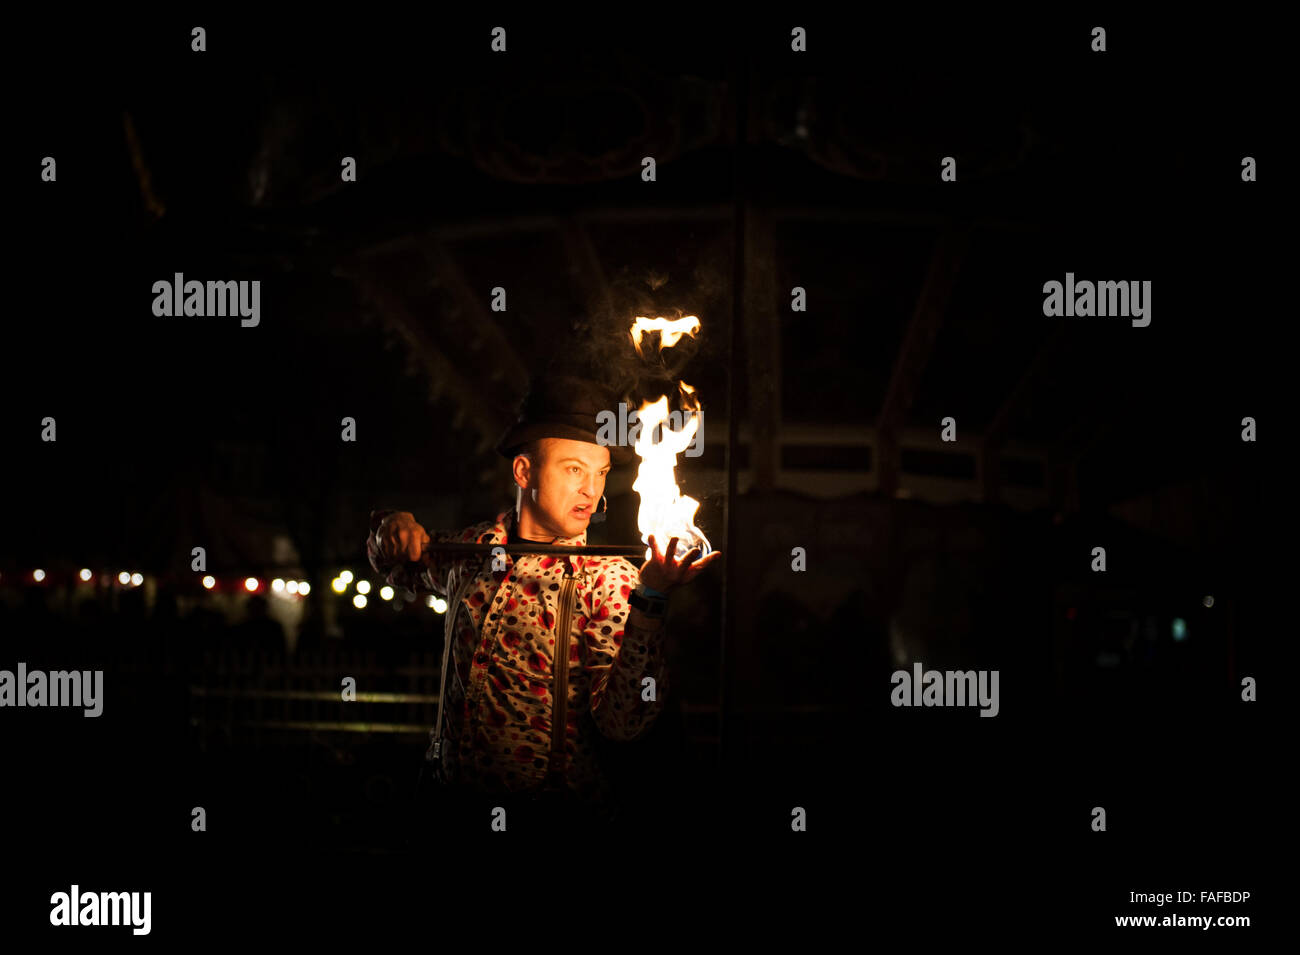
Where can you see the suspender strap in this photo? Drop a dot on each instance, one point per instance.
(434, 753)
(560, 681)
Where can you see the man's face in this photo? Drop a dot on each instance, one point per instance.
(569, 480)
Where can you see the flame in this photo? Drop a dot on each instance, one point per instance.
(666, 512)
(670, 330)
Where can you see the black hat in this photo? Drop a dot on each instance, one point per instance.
(563, 406)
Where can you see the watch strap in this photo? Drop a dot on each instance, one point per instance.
(650, 606)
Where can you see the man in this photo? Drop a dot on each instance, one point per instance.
(498, 710)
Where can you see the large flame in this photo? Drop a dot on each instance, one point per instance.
(666, 512)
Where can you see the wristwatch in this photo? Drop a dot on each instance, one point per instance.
(650, 602)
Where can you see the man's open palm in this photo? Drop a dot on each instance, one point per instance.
(663, 571)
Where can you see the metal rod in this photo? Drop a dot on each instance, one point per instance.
(730, 581)
(591, 550)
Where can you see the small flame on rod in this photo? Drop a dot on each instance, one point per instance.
(670, 330)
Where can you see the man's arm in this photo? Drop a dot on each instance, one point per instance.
(620, 662)
(619, 692)
(389, 556)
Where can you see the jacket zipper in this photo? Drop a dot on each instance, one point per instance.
(560, 670)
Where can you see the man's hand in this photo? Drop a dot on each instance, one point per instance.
(400, 537)
(663, 571)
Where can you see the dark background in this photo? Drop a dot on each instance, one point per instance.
(774, 170)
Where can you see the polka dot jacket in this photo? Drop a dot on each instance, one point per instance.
(497, 716)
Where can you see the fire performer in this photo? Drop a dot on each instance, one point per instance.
(500, 717)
